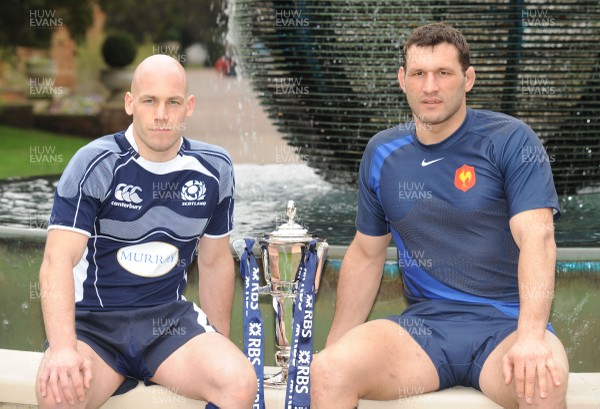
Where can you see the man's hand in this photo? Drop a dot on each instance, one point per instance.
(65, 370)
(530, 358)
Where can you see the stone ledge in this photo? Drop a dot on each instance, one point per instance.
(18, 370)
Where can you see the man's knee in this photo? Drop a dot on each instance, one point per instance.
(319, 367)
(556, 395)
(248, 384)
(45, 402)
(48, 402)
(316, 369)
(326, 372)
(556, 399)
(241, 383)
(233, 388)
(331, 382)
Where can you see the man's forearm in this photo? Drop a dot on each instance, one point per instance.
(215, 286)
(58, 303)
(358, 284)
(537, 263)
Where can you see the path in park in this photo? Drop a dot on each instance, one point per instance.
(228, 114)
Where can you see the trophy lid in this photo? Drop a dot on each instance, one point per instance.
(290, 231)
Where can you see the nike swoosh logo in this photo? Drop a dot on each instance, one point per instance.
(425, 163)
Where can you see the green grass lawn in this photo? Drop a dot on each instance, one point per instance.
(29, 152)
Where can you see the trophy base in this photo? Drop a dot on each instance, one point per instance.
(277, 380)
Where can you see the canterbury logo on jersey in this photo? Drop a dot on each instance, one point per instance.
(127, 196)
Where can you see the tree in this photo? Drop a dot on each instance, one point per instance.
(30, 23)
(185, 21)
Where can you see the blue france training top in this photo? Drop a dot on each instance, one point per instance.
(143, 219)
(448, 205)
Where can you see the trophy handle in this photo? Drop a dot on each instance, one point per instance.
(322, 247)
(239, 246)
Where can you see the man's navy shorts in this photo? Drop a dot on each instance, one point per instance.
(457, 336)
(134, 343)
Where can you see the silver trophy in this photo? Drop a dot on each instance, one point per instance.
(281, 253)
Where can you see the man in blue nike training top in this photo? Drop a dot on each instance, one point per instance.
(468, 197)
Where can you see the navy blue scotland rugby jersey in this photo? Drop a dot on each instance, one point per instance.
(143, 219)
(448, 205)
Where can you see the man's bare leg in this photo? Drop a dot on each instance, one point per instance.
(492, 383)
(377, 360)
(210, 367)
(105, 382)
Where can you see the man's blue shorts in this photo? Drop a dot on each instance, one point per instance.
(457, 336)
(134, 343)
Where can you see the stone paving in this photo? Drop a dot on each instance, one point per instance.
(228, 114)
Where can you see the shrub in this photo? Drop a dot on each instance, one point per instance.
(119, 49)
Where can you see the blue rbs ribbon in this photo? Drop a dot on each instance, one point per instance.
(298, 388)
(253, 324)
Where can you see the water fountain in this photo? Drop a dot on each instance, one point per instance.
(326, 72)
